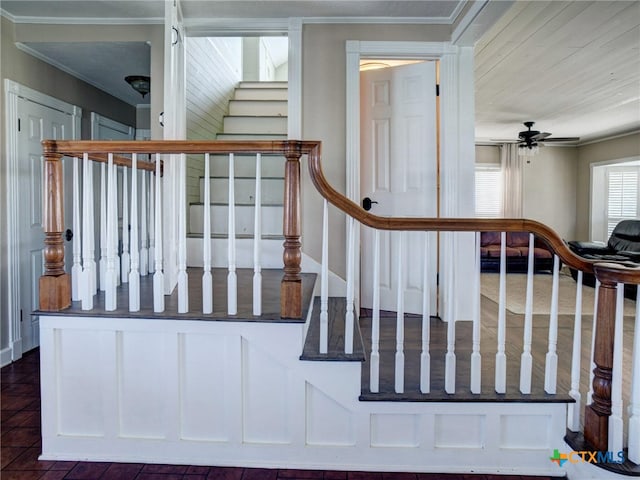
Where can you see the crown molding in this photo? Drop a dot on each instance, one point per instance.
(81, 20)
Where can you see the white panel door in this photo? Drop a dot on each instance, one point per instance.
(398, 168)
(37, 122)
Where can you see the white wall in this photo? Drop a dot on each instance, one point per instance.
(214, 68)
(550, 189)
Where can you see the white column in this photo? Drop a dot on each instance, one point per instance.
(232, 279)
(551, 360)
(111, 280)
(526, 360)
(207, 278)
(573, 409)
(374, 373)
(324, 281)
(399, 364)
(76, 269)
(476, 359)
(183, 279)
(125, 259)
(634, 401)
(349, 314)
(158, 276)
(134, 273)
(616, 425)
(257, 240)
(425, 356)
(501, 357)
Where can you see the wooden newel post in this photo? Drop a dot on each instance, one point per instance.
(596, 416)
(55, 283)
(291, 286)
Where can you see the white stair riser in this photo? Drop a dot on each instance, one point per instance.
(275, 84)
(261, 94)
(271, 253)
(272, 190)
(258, 107)
(271, 219)
(255, 125)
(249, 136)
(245, 166)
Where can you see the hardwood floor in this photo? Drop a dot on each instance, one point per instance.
(21, 446)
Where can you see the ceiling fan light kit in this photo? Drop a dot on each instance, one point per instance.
(140, 83)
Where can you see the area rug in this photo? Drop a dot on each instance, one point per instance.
(516, 288)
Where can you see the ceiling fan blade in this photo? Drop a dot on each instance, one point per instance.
(560, 139)
(505, 140)
(540, 136)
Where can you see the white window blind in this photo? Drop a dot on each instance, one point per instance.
(622, 196)
(488, 191)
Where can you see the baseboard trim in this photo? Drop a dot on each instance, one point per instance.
(5, 356)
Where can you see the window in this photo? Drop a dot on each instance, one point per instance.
(622, 195)
(488, 191)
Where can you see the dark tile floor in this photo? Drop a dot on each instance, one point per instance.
(21, 445)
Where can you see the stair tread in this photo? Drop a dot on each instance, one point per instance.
(335, 350)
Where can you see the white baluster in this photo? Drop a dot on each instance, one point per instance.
(374, 373)
(526, 360)
(76, 269)
(134, 273)
(183, 279)
(111, 275)
(115, 237)
(616, 425)
(88, 263)
(501, 357)
(592, 363)
(634, 401)
(103, 228)
(232, 279)
(425, 356)
(324, 281)
(257, 240)
(476, 359)
(551, 361)
(151, 242)
(450, 357)
(349, 314)
(158, 276)
(399, 371)
(207, 278)
(125, 259)
(145, 260)
(573, 409)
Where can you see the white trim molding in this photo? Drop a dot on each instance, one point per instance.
(294, 127)
(13, 91)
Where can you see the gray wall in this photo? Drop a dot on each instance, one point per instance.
(606, 151)
(324, 116)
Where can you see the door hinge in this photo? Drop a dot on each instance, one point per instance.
(19, 125)
(437, 279)
(20, 315)
(437, 90)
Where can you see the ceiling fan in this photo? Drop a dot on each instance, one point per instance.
(530, 139)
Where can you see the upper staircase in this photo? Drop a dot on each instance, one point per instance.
(258, 111)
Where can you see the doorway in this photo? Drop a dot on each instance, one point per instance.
(399, 177)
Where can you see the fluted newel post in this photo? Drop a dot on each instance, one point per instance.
(55, 284)
(291, 286)
(596, 416)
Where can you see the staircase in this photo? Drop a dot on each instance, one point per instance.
(258, 111)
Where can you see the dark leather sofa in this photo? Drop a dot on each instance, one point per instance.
(517, 253)
(623, 246)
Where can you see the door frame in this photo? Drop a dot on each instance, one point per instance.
(13, 91)
(457, 154)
